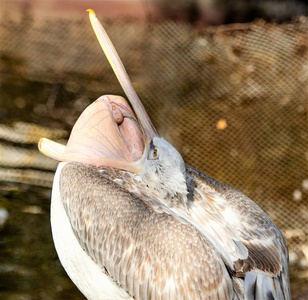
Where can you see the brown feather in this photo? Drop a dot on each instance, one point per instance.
(150, 254)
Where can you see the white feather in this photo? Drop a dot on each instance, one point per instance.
(83, 271)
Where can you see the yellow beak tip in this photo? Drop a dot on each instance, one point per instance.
(91, 11)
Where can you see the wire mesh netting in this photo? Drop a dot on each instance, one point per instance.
(232, 99)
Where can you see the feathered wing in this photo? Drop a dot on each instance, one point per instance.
(250, 244)
(265, 270)
(148, 252)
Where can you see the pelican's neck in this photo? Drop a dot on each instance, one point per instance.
(172, 190)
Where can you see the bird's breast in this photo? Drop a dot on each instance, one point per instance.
(83, 271)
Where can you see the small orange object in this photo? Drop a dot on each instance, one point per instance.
(221, 124)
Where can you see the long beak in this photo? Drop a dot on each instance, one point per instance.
(146, 125)
(107, 132)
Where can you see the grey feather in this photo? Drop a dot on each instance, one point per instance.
(150, 254)
(217, 245)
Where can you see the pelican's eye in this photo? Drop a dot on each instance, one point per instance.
(154, 152)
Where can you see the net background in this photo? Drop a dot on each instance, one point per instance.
(232, 99)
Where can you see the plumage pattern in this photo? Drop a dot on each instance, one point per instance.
(267, 259)
(149, 253)
(202, 250)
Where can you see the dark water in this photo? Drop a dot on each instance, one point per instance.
(29, 267)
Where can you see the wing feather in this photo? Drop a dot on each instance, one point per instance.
(246, 238)
(266, 267)
(149, 253)
(136, 243)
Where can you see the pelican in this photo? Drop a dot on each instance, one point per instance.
(131, 220)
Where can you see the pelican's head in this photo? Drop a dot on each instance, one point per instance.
(109, 133)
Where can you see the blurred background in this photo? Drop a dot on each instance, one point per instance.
(224, 81)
